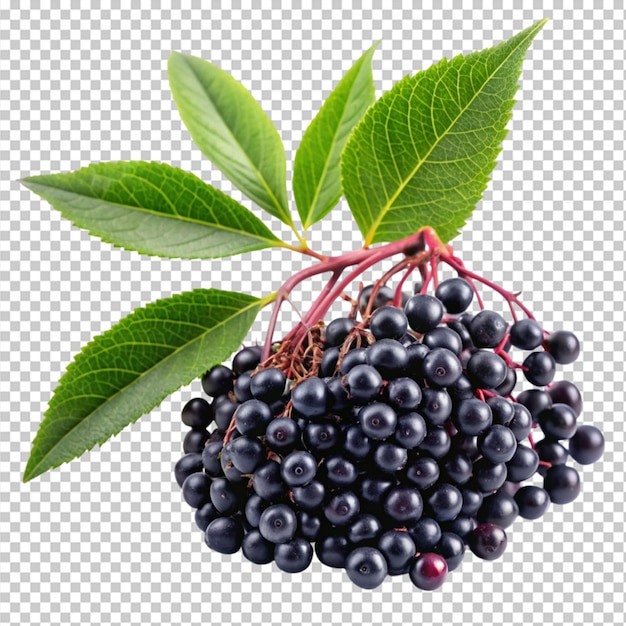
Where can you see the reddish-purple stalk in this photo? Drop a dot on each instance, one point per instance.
(414, 244)
(397, 297)
(423, 250)
(362, 258)
(456, 264)
(426, 278)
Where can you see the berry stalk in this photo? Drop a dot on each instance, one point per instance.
(362, 258)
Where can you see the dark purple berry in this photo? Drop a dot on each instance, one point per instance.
(486, 369)
(423, 472)
(426, 534)
(333, 550)
(423, 313)
(342, 508)
(247, 359)
(587, 444)
(456, 294)
(195, 441)
(365, 530)
(196, 489)
(256, 548)
(442, 337)
(445, 502)
(247, 453)
(383, 296)
(388, 322)
(563, 346)
(311, 398)
(252, 417)
(298, 468)
(497, 443)
(197, 413)
(293, 556)
(564, 392)
(558, 422)
(389, 458)
(378, 420)
(187, 465)
(399, 549)
(535, 400)
(410, 430)
(366, 567)
(487, 329)
(523, 464)
(268, 385)
(532, 501)
(224, 535)
(338, 330)
(526, 334)
(441, 367)
(310, 496)
(404, 394)
(522, 422)
(437, 442)
(488, 541)
(403, 505)
(562, 483)
(452, 548)
(388, 356)
(499, 508)
(363, 383)
(472, 416)
(282, 435)
(278, 523)
(539, 368)
(218, 381)
(436, 405)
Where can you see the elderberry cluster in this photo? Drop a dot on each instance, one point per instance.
(403, 446)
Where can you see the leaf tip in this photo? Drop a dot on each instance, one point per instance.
(30, 472)
(536, 27)
(173, 57)
(174, 54)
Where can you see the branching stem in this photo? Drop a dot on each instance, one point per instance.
(422, 250)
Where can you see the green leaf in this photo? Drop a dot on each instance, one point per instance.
(423, 154)
(232, 130)
(154, 208)
(316, 179)
(129, 369)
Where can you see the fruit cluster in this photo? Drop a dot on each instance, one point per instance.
(392, 442)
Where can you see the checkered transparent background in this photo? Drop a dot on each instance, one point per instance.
(108, 539)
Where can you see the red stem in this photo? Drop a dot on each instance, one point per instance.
(363, 258)
(511, 298)
(423, 250)
(321, 307)
(329, 285)
(397, 298)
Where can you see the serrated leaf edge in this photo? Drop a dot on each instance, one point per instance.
(258, 302)
(31, 183)
(307, 223)
(369, 238)
(283, 210)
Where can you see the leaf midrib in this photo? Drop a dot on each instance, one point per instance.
(268, 189)
(175, 217)
(91, 415)
(387, 207)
